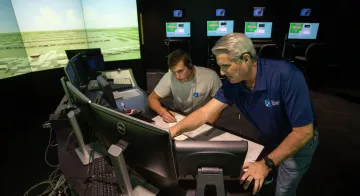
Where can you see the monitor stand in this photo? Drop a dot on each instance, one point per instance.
(83, 151)
(126, 182)
(210, 176)
(68, 97)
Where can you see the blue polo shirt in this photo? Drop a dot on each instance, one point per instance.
(279, 101)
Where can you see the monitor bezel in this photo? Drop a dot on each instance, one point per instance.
(317, 33)
(177, 36)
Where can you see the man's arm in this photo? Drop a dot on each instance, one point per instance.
(154, 104)
(292, 143)
(215, 117)
(197, 118)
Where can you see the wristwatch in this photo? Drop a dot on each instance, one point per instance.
(269, 163)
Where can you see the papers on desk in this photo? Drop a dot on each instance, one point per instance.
(126, 94)
(208, 133)
(181, 137)
(192, 134)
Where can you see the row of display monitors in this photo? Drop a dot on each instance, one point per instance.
(254, 30)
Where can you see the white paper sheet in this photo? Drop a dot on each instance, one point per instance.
(254, 149)
(181, 137)
(127, 94)
(159, 122)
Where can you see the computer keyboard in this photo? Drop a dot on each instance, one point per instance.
(104, 181)
(122, 81)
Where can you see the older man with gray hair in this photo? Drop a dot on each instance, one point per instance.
(274, 97)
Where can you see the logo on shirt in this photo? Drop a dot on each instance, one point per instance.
(271, 103)
(196, 94)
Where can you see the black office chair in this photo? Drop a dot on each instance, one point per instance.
(314, 53)
(270, 51)
(316, 63)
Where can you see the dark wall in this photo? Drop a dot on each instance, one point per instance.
(281, 12)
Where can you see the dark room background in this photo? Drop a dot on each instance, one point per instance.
(332, 16)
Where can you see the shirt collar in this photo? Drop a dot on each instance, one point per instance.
(260, 83)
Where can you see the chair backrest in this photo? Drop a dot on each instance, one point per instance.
(270, 51)
(317, 53)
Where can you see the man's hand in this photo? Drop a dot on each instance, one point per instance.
(255, 171)
(168, 116)
(172, 132)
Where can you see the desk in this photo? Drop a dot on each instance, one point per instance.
(76, 173)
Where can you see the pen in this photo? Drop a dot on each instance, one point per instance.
(173, 115)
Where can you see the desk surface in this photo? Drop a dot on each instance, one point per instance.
(77, 174)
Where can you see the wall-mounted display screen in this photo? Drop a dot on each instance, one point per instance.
(36, 34)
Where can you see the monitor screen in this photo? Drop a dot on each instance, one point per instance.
(220, 12)
(94, 57)
(220, 27)
(178, 13)
(303, 30)
(35, 35)
(71, 75)
(305, 12)
(81, 69)
(258, 29)
(258, 11)
(178, 29)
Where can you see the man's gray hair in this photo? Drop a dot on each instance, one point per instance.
(235, 45)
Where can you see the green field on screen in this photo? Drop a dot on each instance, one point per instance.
(37, 51)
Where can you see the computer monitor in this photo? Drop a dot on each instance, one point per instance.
(220, 12)
(71, 75)
(220, 27)
(81, 69)
(107, 92)
(149, 151)
(303, 30)
(94, 57)
(77, 97)
(227, 155)
(258, 30)
(178, 29)
(305, 12)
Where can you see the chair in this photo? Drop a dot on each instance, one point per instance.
(316, 63)
(270, 51)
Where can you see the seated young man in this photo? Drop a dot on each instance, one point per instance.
(191, 86)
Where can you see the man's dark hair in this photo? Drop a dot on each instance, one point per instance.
(179, 55)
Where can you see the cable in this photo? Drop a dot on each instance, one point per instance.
(53, 145)
(67, 142)
(47, 148)
(41, 183)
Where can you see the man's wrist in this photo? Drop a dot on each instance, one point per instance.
(162, 111)
(172, 132)
(263, 162)
(268, 163)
